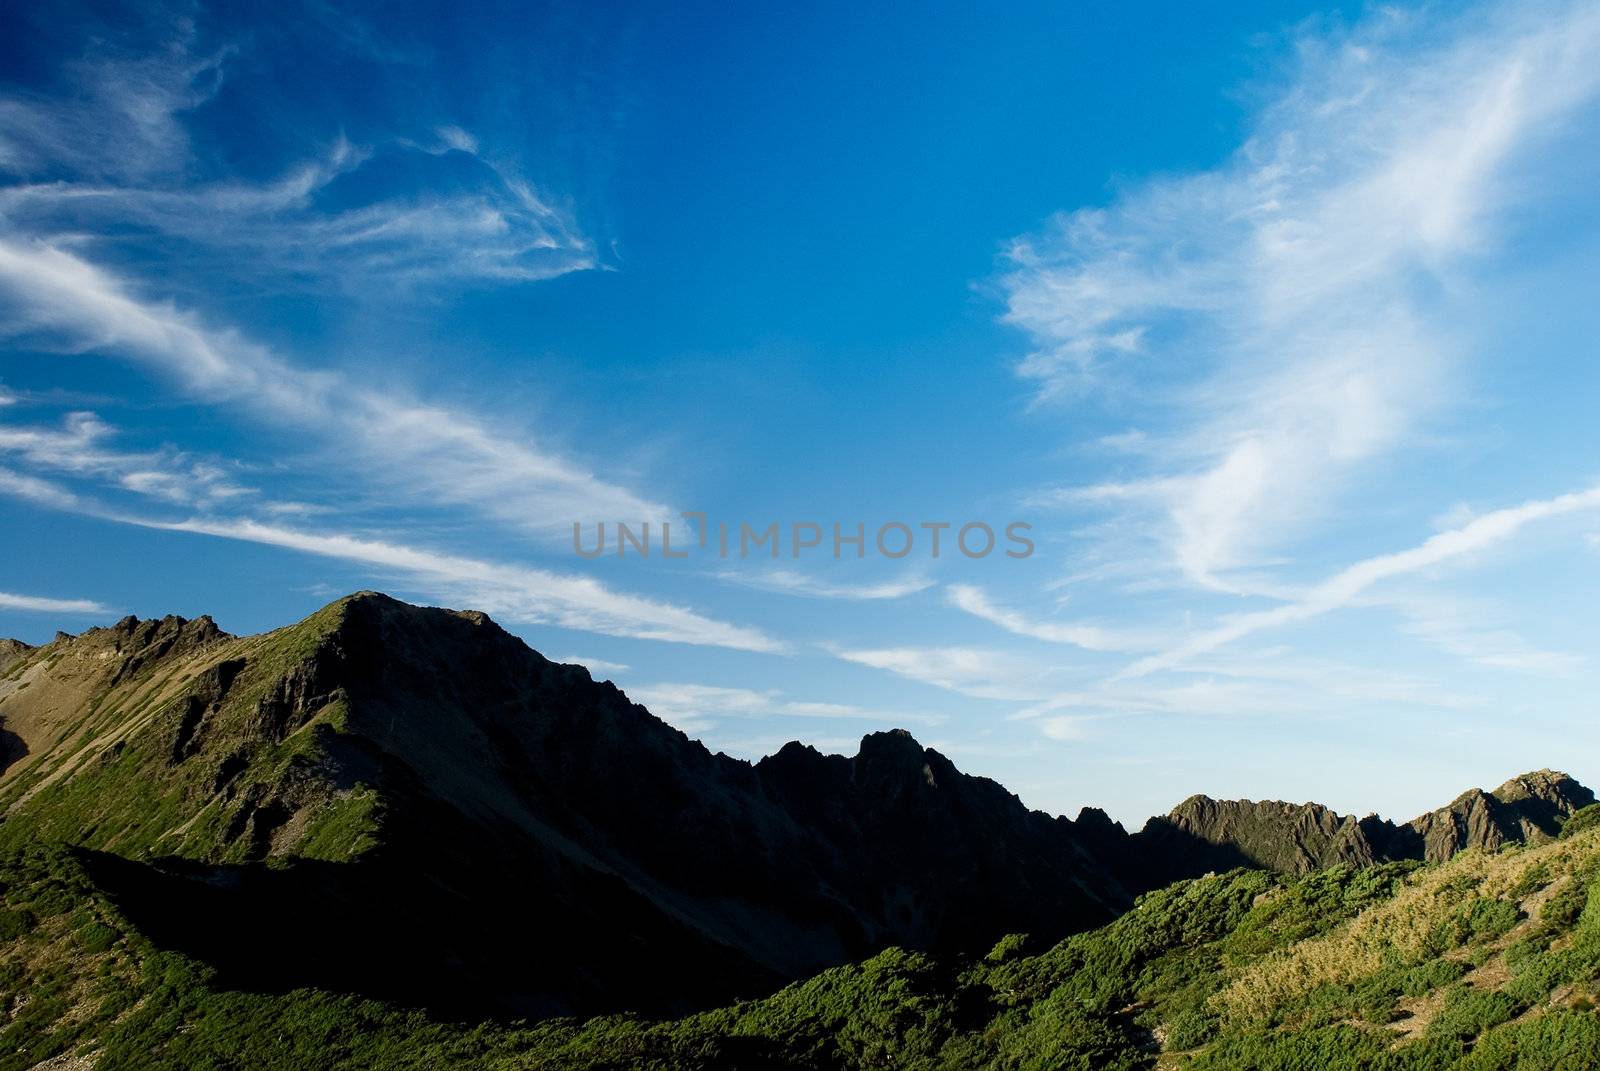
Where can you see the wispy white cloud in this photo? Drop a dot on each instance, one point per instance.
(1473, 632)
(41, 492)
(1275, 683)
(453, 137)
(697, 707)
(597, 666)
(789, 582)
(81, 447)
(122, 118)
(1352, 684)
(851, 712)
(1309, 291)
(37, 604)
(107, 159)
(1065, 727)
(513, 592)
(1090, 637)
(1347, 585)
(428, 452)
(977, 672)
(502, 231)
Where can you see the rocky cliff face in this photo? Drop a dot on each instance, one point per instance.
(936, 849)
(11, 651)
(1202, 834)
(1525, 809)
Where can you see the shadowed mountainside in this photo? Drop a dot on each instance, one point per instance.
(545, 844)
(412, 804)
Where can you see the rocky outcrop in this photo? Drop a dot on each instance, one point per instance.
(934, 850)
(1525, 809)
(137, 643)
(1202, 835)
(12, 651)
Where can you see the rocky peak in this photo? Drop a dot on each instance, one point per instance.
(894, 762)
(1099, 822)
(1202, 834)
(1291, 838)
(11, 651)
(152, 638)
(1526, 808)
(1551, 786)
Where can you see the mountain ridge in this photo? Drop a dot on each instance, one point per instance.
(427, 761)
(1529, 784)
(394, 740)
(1299, 838)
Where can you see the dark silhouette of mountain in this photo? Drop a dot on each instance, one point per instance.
(411, 803)
(525, 835)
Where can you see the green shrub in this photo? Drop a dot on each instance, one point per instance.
(1335, 1048)
(1469, 1012)
(1011, 946)
(1564, 905)
(96, 937)
(1063, 1035)
(1533, 879)
(1581, 820)
(1312, 905)
(1490, 919)
(14, 924)
(1083, 1004)
(1480, 919)
(1553, 1042)
(1426, 977)
(1190, 1028)
(1589, 917)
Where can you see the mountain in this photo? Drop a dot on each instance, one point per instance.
(1527, 808)
(547, 845)
(378, 837)
(1202, 834)
(1489, 962)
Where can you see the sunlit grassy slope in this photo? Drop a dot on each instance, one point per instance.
(1488, 961)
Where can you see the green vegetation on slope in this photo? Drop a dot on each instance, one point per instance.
(1491, 961)
(190, 741)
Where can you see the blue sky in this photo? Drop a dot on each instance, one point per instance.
(1276, 325)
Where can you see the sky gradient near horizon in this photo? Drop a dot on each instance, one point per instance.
(1276, 324)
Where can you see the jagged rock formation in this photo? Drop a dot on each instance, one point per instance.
(548, 842)
(11, 651)
(936, 848)
(1527, 808)
(1202, 834)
